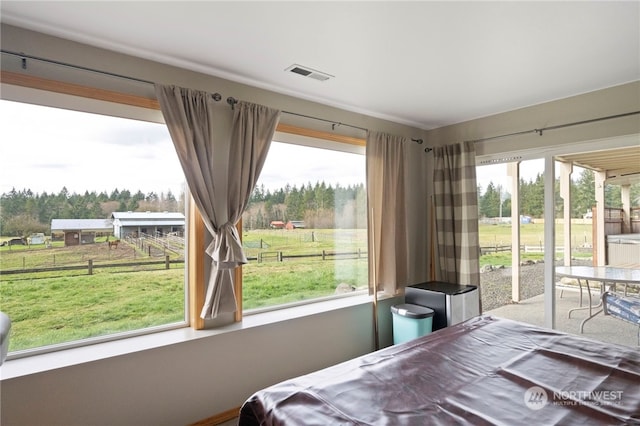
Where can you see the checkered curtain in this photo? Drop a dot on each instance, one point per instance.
(456, 214)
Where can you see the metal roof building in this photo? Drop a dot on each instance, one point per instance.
(150, 223)
(81, 231)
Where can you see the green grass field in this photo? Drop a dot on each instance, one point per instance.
(54, 310)
(533, 234)
(56, 307)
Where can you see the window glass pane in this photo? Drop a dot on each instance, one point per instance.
(91, 225)
(304, 230)
(495, 191)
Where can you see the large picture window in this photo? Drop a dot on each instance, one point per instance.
(305, 229)
(92, 226)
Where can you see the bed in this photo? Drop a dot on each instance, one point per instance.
(483, 371)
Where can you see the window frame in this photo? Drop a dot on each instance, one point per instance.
(196, 235)
(288, 134)
(90, 93)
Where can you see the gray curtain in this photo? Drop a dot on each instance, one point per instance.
(388, 260)
(456, 214)
(221, 154)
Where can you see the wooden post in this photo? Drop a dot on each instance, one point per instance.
(90, 266)
(166, 262)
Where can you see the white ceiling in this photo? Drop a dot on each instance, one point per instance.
(426, 64)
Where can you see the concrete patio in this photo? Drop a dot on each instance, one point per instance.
(600, 327)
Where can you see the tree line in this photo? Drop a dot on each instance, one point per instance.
(319, 206)
(494, 201)
(25, 212)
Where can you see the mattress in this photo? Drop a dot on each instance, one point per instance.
(483, 371)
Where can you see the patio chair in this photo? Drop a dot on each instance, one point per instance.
(623, 307)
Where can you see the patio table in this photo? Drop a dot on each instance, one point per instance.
(601, 274)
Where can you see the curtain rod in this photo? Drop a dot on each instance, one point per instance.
(559, 126)
(335, 124)
(24, 58)
(216, 96)
(232, 101)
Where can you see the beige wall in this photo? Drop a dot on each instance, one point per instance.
(186, 382)
(603, 103)
(182, 383)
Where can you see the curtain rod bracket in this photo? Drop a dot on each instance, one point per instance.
(333, 123)
(232, 101)
(217, 96)
(420, 142)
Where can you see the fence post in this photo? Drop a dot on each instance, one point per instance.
(90, 266)
(149, 247)
(324, 254)
(166, 262)
(280, 256)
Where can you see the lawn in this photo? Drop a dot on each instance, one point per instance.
(62, 306)
(274, 283)
(533, 234)
(60, 309)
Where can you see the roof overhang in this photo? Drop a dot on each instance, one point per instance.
(621, 165)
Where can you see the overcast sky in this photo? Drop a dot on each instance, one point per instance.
(46, 149)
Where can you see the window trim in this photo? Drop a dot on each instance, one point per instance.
(196, 230)
(182, 323)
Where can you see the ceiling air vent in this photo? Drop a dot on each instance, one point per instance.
(308, 72)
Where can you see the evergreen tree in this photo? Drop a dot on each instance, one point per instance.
(294, 202)
(583, 192)
(490, 202)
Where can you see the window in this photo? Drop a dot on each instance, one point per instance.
(121, 169)
(92, 226)
(305, 229)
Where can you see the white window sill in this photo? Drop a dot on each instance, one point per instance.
(74, 356)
